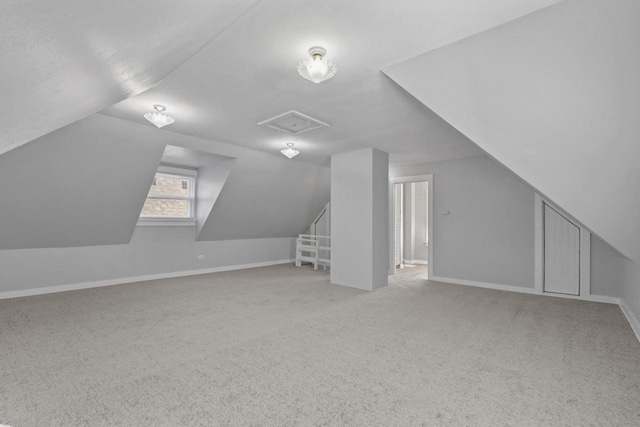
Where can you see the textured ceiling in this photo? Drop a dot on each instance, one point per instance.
(224, 66)
(64, 60)
(248, 74)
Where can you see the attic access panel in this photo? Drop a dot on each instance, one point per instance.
(293, 122)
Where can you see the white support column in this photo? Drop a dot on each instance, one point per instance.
(360, 219)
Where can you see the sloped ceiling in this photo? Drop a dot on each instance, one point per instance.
(248, 74)
(82, 185)
(86, 183)
(265, 196)
(61, 61)
(554, 97)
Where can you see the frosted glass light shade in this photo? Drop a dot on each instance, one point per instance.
(317, 68)
(159, 119)
(290, 152)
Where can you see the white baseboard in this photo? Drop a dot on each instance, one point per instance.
(120, 281)
(416, 261)
(591, 298)
(631, 318)
(532, 291)
(484, 285)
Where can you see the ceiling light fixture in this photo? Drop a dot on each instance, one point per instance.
(290, 152)
(158, 117)
(317, 68)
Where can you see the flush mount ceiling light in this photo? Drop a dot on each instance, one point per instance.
(317, 68)
(158, 117)
(290, 152)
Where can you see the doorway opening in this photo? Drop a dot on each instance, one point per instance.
(411, 226)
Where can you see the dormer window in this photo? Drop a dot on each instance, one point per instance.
(171, 198)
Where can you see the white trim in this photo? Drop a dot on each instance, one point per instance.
(326, 210)
(585, 262)
(523, 290)
(391, 271)
(412, 220)
(426, 226)
(405, 179)
(484, 285)
(178, 172)
(538, 253)
(590, 298)
(165, 223)
(430, 226)
(110, 282)
(631, 318)
(399, 187)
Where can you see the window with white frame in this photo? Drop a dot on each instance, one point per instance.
(171, 198)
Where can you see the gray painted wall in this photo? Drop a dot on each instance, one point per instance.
(267, 195)
(612, 273)
(85, 185)
(82, 185)
(380, 220)
(631, 287)
(488, 235)
(607, 269)
(503, 217)
(360, 219)
(211, 181)
(153, 250)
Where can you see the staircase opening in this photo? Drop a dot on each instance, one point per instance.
(314, 247)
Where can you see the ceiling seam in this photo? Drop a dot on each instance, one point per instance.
(224, 29)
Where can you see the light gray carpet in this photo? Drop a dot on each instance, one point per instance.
(279, 346)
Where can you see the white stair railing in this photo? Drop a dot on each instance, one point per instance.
(314, 249)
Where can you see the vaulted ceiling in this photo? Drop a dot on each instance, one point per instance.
(248, 74)
(546, 87)
(61, 61)
(226, 65)
(554, 97)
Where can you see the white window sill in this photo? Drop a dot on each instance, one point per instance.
(165, 223)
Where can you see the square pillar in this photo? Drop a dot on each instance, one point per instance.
(360, 219)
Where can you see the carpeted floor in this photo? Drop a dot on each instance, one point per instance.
(279, 346)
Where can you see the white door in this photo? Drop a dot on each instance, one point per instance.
(561, 254)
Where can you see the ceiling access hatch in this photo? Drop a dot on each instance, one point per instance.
(293, 122)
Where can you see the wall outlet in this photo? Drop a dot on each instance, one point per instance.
(200, 256)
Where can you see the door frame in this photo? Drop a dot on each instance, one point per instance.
(585, 249)
(404, 180)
